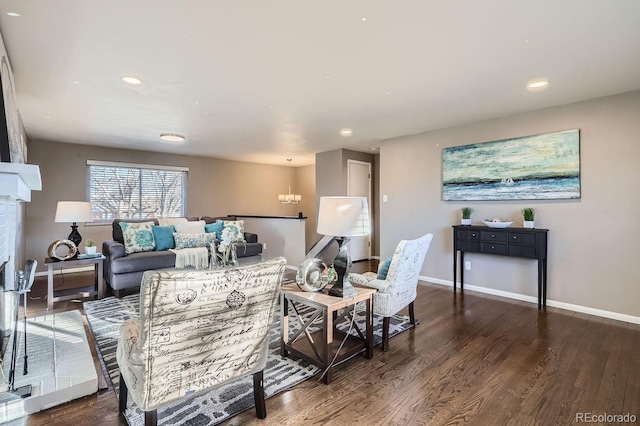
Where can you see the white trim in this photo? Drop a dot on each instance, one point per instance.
(136, 165)
(562, 305)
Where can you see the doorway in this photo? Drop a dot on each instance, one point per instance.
(359, 185)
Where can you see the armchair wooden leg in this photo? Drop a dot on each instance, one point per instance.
(385, 333)
(122, 404)
(412, 315)
(258, 395)
(119, 293)
(151, 418)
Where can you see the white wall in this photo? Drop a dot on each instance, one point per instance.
(593, 241)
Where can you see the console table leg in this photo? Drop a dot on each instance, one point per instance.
(540, 290)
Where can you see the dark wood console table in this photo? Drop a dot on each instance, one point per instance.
(514, 242)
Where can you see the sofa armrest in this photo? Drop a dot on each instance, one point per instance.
(112, 249)
(250, 238)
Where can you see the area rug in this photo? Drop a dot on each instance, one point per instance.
(210, 408)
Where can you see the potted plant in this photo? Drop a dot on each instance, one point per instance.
(90, 246)
(466, 215)
(529, 214)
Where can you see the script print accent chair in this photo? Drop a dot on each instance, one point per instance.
(399, 289)
(198, 330)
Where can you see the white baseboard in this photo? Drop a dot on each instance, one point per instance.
(562, 305)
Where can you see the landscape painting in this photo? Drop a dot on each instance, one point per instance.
(539, 167)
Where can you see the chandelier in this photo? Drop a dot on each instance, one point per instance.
(289, 198)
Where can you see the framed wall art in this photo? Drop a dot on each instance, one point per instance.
(538, 167)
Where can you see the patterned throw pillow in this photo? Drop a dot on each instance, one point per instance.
(192, 240)
(236, 229)
(384, 268)
(137, 236)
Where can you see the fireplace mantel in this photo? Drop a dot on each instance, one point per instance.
(18, 180)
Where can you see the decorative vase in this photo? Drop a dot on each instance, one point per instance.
(529, 224)
(466, 221)
(90, 250)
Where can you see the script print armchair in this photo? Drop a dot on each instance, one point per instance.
(399, 288)
(198, 330)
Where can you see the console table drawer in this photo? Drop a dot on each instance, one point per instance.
(500, 237)
(467, 235)
(495, 248)
(469, 246)
(522, 238)
(522, 251)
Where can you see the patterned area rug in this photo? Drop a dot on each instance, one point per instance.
(212, 407)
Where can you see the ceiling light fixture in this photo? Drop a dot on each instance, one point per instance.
(346, 132)
(538, 84)
(172, 137)
(289, 198)
(131, 80)
(14, 14)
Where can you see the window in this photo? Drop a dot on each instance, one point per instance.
(135, 191)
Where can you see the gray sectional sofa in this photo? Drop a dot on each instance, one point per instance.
(124, 271)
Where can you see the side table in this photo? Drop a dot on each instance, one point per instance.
(318, 346)
(74, 293)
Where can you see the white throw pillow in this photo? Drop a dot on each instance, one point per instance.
(195, 227)
(168, 221)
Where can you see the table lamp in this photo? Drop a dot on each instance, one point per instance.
(74, 211)
(343, 217)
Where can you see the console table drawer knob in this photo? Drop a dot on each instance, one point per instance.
(515, 237)
(493, 247)
(493, 235)
(473, 234)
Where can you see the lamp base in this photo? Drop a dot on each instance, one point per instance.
(74, 236)
(342, 264)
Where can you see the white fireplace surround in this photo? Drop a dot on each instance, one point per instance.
(16, 183)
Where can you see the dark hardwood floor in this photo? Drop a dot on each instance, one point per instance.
(473, 359)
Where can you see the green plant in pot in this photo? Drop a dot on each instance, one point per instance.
(90, 246)
(466, 215)
(529, 213)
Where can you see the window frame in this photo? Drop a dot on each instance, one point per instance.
(184, 171)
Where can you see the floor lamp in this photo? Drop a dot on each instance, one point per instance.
(343, 218)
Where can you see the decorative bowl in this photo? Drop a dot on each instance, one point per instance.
(501, 224)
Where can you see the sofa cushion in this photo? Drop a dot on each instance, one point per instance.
(192, 240)
(137, 236)
(215, 228)
(116, 230)
(164, 237)
(213, 219)
(143, 261)
(196, 227)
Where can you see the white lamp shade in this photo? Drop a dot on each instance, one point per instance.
(73, 211)
(344, 216)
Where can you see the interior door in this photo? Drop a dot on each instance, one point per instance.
(359, 185)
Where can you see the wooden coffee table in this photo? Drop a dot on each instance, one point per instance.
(319, 347)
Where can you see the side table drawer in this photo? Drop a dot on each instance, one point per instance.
(494, 248)
(469, 246)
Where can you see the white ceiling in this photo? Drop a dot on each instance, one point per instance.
(263, 81)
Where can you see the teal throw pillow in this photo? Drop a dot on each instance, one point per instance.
(164, 237)
(137, 236)
(384, 268)
(216, 228)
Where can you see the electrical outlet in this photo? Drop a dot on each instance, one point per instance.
(264, 246)
(467, 265)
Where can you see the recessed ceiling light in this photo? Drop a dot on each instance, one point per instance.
(131, 80)
(375, 148)
(538, 84)
(327, 76)
(346, 132)
(13, 14)
(364, 19)
(172, 137)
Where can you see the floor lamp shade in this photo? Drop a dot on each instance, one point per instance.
(343, 217)
(73, 212)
